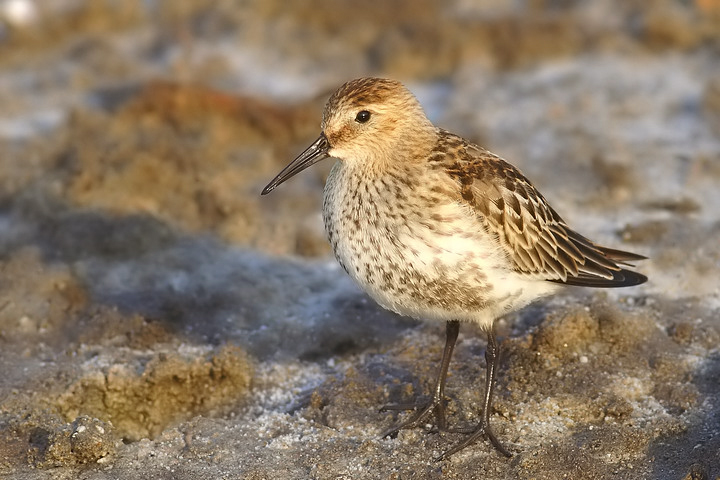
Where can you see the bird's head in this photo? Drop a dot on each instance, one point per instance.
(369, 122)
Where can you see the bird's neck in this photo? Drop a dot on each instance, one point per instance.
(410, 148)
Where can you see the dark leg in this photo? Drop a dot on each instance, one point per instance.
(492, 355)
(436, 406)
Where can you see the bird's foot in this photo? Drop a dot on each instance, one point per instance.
(482, 430)
(425, 411)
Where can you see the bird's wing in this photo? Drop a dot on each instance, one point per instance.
(535, 238)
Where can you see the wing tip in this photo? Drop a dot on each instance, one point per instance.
(621, 256)
(629, 278)
(620, 278)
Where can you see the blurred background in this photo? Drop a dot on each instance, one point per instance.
(183, 110)
(136, 136)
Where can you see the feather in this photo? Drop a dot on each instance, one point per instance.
(537, 240)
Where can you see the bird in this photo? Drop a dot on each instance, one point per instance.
(434, 227)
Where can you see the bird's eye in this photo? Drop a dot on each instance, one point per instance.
(362, 116)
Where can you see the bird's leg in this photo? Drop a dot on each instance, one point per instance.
(436, 406)
(492, 356)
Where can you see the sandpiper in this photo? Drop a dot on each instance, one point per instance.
(434, 227)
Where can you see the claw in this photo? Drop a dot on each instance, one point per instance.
(481, 431)
(436, 406)
(432, 409)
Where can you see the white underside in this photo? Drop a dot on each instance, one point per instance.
(469, 265)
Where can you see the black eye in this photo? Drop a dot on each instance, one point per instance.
(362, 116)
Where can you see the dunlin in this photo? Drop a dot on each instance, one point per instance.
(434, 227)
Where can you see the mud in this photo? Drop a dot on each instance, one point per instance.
(159, 319)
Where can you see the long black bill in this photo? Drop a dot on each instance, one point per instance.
(312, 155)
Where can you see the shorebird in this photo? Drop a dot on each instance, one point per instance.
(434, 227)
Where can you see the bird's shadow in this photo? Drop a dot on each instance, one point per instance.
(202, 289)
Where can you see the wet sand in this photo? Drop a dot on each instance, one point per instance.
(159, 319)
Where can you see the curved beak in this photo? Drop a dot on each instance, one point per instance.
(312, 155)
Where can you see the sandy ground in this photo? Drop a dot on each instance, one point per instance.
(158, 319)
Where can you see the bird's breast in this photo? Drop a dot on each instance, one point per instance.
(410, 245)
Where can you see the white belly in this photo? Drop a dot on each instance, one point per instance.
(420, 256)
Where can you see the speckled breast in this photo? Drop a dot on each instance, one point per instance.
(412, 251)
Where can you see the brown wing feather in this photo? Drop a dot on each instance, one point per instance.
(534, 236)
